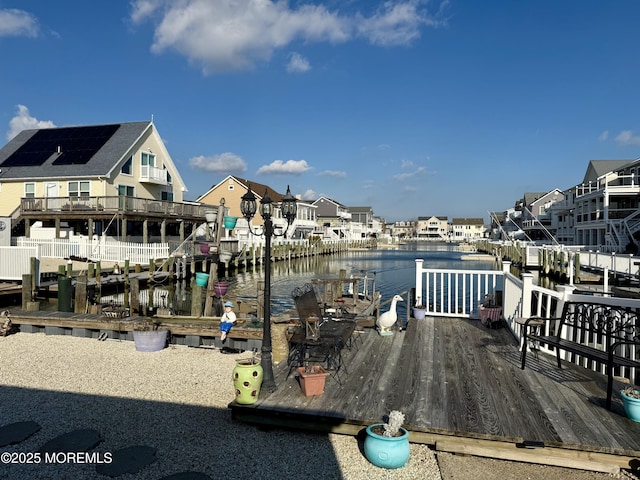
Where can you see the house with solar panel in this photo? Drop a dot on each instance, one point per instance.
(116, 180)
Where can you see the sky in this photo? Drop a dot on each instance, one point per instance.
(414, 107)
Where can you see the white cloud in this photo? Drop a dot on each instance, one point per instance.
(295, 167)
(18, 23)
(395, 23)
(334, 173)
(225, 162)
(406, 164)
(627, 137)
(229, 35)
(24, 121)
(604, 136)
(406, 176)
(310, 195)
(298, 64)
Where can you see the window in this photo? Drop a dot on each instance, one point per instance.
(127, 168)
(126, 191)
(167, 196)
(79, 189)
(29, 190)
(148, 159)
(169, 179)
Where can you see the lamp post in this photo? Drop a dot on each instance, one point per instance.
(248, 209)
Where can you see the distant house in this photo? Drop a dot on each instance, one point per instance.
(536, 214)
(467, 229)
(230, 191)
(333, 217)
(432, 228)
(363, 222)
(90, 178)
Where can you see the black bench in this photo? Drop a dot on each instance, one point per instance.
(605, 335)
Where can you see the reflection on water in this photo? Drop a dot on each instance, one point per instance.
(393, 271)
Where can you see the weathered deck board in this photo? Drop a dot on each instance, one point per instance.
(456, 378)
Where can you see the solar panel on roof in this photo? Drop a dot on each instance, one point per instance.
(72, 145)
(82, 143)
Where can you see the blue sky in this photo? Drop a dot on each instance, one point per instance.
(416, 108)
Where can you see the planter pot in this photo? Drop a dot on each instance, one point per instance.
(202, 279)
(419, 313)
(204, 247)
(386, 452)
(312, 383)
(230, 222)
(631, 407)
(210, 216)
(247, 379)
(150, 340)
(220, 288)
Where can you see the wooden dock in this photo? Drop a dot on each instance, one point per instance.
(462, 390)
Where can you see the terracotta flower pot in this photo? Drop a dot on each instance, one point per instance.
(312, 383)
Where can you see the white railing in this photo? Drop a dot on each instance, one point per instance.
(459, 293)
(98, 250)
(454, 293)
(16, 261)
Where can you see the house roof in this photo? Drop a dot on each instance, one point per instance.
(259, 189)
(597, 168)
(85, 151)
(467, 221)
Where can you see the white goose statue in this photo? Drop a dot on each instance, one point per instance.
(388, 319)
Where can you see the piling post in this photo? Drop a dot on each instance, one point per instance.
(81, 295)
(126, 284)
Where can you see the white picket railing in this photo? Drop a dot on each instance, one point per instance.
(459, 293)
(98, 250)
(16, 261)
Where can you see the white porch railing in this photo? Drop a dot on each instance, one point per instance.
(16, 261)
(459, 293)
(97, 250)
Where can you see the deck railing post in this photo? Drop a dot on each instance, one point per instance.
(419, 262)
(527, 287)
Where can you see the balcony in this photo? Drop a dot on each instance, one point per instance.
(149, 174)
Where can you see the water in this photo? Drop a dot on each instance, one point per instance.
(392, 270)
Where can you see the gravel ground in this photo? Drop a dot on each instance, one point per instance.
(176, 401)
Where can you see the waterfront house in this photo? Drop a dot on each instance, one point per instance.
(432, 228)
(536, 214)
(467, 229)
(114, 179)
(333, 218)
(230, 191)
(364, 224)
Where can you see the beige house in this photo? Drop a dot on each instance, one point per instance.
(90, 178)
(230, 191)
(432, 228)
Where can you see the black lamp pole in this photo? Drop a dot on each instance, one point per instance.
(289, 209)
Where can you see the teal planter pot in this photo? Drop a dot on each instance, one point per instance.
(386, 452)
(229, 222)
(202, 279)
(631, 406)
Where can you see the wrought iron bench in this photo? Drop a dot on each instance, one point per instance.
(319, 339)
(594, 334)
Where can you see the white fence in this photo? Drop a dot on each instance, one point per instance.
(454, 293)
(458, 293)
(16, 261)
(98, 250)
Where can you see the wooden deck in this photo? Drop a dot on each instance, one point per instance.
(461, 389)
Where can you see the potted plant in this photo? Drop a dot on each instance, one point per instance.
(631, 400)
(147, 337)
(387, 444)
(247, 380)
(490, 312)
(419, 312)
(312, 379)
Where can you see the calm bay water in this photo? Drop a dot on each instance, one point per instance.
(394, 271)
